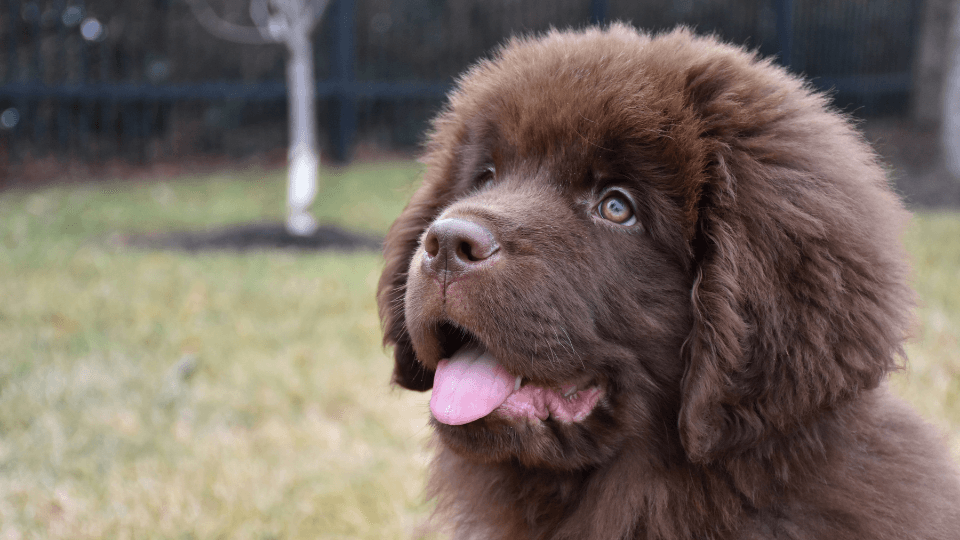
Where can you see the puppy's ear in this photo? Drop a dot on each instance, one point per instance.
(399, 246)
(799, 299)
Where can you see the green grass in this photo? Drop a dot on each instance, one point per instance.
(150, 394)
(932, 379)
(162, 395)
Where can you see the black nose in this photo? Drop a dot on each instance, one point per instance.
(457, 245)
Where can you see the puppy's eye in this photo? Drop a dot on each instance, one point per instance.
(616, 208)
(485, 178)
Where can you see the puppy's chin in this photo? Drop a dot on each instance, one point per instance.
(548, 444)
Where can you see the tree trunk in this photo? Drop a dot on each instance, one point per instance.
(950, 127)
(304, 154)
(930, 62)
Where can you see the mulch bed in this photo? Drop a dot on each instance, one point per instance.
(255, 236)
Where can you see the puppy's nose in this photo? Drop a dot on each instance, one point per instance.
(457, 245)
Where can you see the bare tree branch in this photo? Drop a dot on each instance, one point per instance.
(288, 8)
(315, 9)
(225, 29)
(259, 13)
(289, 22)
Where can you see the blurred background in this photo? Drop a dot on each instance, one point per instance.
(175, 364)
(91, 81)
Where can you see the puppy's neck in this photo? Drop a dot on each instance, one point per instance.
(482, 498)
(715, 498)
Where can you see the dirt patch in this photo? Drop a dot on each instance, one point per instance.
(254, 236)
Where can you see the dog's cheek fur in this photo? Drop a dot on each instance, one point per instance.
(802, 305)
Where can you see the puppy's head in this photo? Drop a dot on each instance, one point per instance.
(660, 242)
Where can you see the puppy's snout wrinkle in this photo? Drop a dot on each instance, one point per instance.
(457, 246)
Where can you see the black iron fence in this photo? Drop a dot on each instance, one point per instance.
(93, 79)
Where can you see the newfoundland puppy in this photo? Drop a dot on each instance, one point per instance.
(656, 284)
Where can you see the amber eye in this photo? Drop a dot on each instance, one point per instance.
(486, 176)
(616, 208)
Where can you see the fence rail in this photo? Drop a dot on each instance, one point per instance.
(67, 85)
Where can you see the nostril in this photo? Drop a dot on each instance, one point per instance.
(465, 252)
(431, 244)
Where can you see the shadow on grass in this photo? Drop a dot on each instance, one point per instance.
(255, 236)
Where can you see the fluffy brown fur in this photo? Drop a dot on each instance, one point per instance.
(740, 330)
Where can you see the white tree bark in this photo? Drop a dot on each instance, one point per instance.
(950, 126)
(304, 154)
(290, 22)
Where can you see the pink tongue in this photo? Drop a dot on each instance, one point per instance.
(469, 386)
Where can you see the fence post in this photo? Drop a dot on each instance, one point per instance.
(344, 103)
(13, 14)
(598, 11)
(63, 114)
(36, 70)
(12, 76)
(86, 104)
(785, 31)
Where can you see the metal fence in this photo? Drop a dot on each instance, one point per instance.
(141, 80)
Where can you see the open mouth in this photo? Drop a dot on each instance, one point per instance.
(470, 384)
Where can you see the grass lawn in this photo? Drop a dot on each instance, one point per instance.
(150, 394)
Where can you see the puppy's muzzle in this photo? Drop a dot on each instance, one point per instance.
(457, 246)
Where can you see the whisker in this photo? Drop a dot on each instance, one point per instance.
(574, 349)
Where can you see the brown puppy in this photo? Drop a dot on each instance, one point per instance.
(656, 284)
